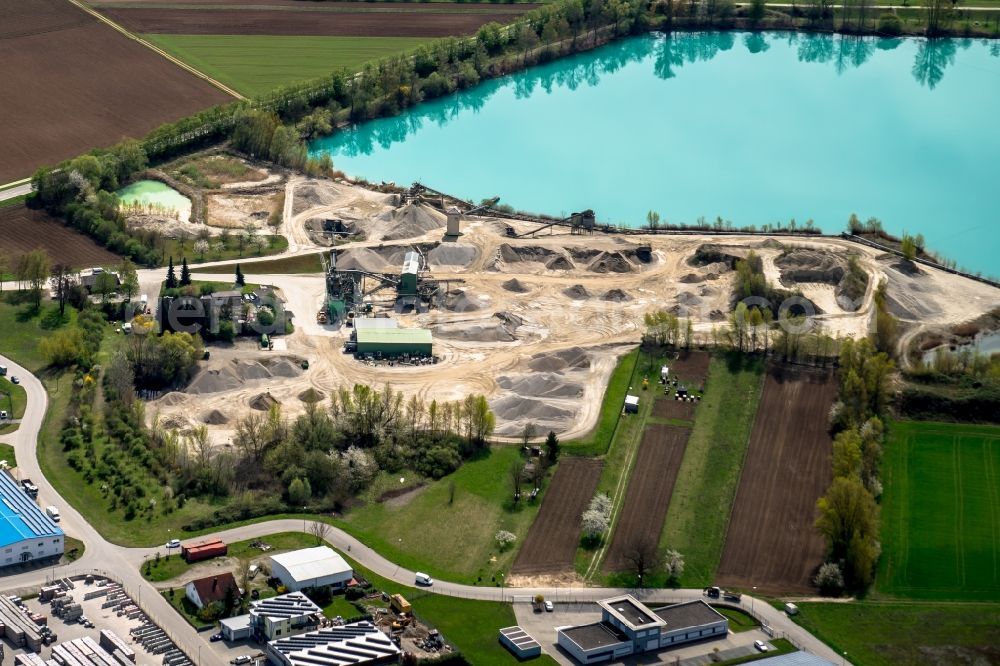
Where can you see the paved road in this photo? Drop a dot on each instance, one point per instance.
(12, 192)
(102, 555)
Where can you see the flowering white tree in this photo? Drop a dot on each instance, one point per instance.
(360, 465)
(673, 564)
(201, 247)
(597, 518)
(504, 539)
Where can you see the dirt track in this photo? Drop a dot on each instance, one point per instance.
(771, 543)
(552, 540)
(80, 84)
(24, 230)
(403, 20)
(649, 490)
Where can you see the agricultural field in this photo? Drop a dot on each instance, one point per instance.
(81, 84)
(891, 633)
(772, 543)
(256, 64)
(941, 512)
(24, 230)
(553, 538)
(650, 487)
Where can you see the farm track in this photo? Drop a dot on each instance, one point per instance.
(80, 84)
(552, 540)
(649, 491)
(24, 230)
(294, 22)
(772, 543)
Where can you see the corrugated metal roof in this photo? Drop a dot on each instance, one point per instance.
(411, 263)
(394, 335)
(795, 659)
(20, 517)
(375, 322)
(310, 563)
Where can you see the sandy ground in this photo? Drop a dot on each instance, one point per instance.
(537, 323)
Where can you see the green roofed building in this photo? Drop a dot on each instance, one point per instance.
(394, 341)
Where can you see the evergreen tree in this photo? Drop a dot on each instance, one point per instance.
(552, 447)
(239, 277)
(185, 273)
(171, 276)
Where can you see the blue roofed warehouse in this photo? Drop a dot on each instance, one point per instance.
(26, 533)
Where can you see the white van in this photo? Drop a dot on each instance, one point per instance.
(52, 513)
(3, 414)
(424, 579)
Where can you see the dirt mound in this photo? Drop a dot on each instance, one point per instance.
(361, 259)
(413, 219)
(611, 262)
(516, 286)
(572, 358)
(486, 332)
(215, 417)
(457, 300)
(559, 263)
(263, 402)
(687, 298)
(616, 296)
(311, 194)
(710, 253)
(452, 254)
(174, 422)
(541, 385)
(577, 292)
(173, 399)
(234, 374)
(285, 367)
(805, 265)
(511, 254)
(584, 254)
(311, 395)
(692, 278)
(512, 408)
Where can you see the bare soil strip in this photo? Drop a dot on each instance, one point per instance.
(771, 543)
(24, 230)
(552, 540)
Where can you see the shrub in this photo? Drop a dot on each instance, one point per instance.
(504, 539)
(829, 579)
(890, 24)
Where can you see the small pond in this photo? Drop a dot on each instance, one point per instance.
(155, 198)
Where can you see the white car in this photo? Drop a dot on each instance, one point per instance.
(549, 607)
(242, 659)
(174, 543)
(761, 646)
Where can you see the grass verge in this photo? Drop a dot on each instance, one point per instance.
(889, 633)
(257, 64)
(703, 496)
(300, 263)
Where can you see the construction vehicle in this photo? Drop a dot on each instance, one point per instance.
(399, 604)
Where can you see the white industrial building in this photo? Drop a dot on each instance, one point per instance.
(269, 619)
(26, 533)
(629, 627)
(357, 644)
(311, 567)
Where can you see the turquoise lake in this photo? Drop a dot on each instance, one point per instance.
(156, 197)
(755, 128)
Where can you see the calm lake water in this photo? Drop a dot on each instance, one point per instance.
(157, 196)
(755, 128)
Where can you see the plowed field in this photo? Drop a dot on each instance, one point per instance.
(378, 20)
(552, 540)
(72, 84)
(668, 408)
(649, 490)
(24, 230)
(771, 542)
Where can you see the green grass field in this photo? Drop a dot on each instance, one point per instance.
(599, 441)
(710, 472)
(256, 64)
(299, 263)
(450, 540)
(7, 453)
(886, 634)
(13, 400)
(941, 512)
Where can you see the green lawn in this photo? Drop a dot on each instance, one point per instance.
(13, 400)
(738, 620)
(7, 453)
(702, 500)
(185, 248)
(299, 263)
(170, 567)
(14, 201)
(599, 441)
(450, 540)
(257, 64)
(886, 634)
(941, 512)
(21, 329)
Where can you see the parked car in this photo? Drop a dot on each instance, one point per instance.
(242, 659)
(174, 543)
(549, 607)
(215, 637)
(760, 645)
(15, 380)
(3, 414)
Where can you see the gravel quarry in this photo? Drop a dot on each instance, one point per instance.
(536, 324)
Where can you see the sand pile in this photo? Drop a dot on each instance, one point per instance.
(514, 408)
(616, 296)
(263, 402)
(215, 417)
(541, 385)
(173, 399)
(805, 265)
(611, 262)
(516, 286)
(584, 254)
(572, 358)
(692, 278)
(457, 300)
(577, 292)
(413, 219)
(559, 263)
(485, 332)
(687, 298)
(311, 395)
(174, 422)
(452, 254)
(311, 194)
(361, 259)
(510, 254)
(234, 374)
(710, 253)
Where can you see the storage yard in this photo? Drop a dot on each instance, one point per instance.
(536, 323)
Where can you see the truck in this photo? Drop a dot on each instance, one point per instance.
(29, 487)
(3, 370)
(53, 513)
